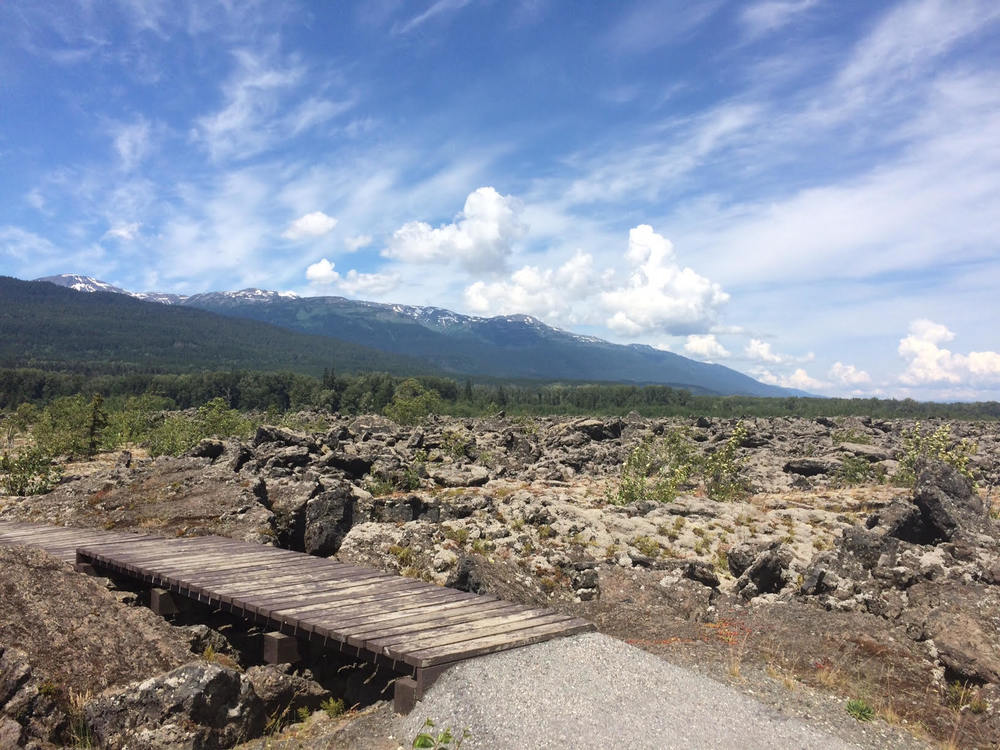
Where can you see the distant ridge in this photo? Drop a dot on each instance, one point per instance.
(508, 346)
(47, 326)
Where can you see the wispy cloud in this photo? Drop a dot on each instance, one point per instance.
(434, 10)
(650, 24)
(770, 15)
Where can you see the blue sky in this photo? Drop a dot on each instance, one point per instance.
(805, 190)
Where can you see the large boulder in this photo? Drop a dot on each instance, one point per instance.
(198, 705)
(810, 467)
(767, 574)
(282, 691)
(449, 475)
(27, 705)
(329, 517)
(947, 502)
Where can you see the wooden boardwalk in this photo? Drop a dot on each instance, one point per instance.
(417, 628)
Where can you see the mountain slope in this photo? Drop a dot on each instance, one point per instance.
(44, 325)
(514, 346)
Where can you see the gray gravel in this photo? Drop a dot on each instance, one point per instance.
(592, 691)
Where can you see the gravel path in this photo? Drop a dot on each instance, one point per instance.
(592, 691)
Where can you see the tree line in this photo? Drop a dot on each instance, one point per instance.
(374, 391)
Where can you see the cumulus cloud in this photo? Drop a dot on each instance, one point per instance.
(660, 295)
(705, 346)
(480, 238)
(355, 243)
(323, 273)
(546, 293)
(848, 374)
(311, 225)
(761, 350)
(799, 379)
(928, 362)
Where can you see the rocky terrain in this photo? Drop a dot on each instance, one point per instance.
(824, 572)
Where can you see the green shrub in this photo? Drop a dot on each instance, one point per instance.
(919, 446)
(29, 473)
(429, 739)
(412, 403)
(177, 433)
(657, 471)
(857, 470)
(333, 707)
(71, 426)
(860, 710)
(721, 470)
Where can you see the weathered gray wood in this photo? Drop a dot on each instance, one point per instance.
(366, 611)
(455, 631)
(491, 644)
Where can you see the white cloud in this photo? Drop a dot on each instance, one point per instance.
(927, 362)
(705, 346)
(761, 350)
(549, 294)
(132, 142)
(480, 239)
(124, 232)
(256, 113)
(369, 284)
(436, 9)
(315, 224)
(848, 374)
(799, 379)
(770, 15)
(355, 243)
(324, 274)
(660, 295)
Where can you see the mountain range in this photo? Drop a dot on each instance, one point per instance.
(419, 339)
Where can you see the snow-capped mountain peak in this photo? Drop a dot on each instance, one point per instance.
(82, 283)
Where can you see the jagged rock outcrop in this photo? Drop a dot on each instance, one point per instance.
(198, 705)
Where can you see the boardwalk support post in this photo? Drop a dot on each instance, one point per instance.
(408, 690)
(280, 648)
(164, 602)
(82, 565)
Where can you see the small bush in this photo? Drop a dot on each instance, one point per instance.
(860, 710)
(920, 446)
(29, 473)
(857, 470)
(721, 469)
(412, 403)
(429, 739)
(333, 707)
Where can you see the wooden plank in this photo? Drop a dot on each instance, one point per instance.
(309, 605)
(413, 639)
(382, 587)
(265, 573)
(244, 588)
(491, 644)
(277, 569)
(304, 572)
(332, 613)
(179, 566)
(393, 600)
(360, 633)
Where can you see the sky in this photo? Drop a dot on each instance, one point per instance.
(807, 191)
